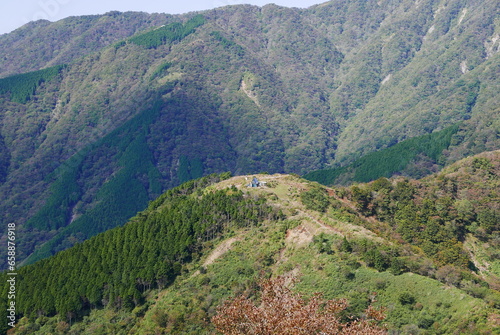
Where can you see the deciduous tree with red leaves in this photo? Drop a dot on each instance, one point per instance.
(283, 312)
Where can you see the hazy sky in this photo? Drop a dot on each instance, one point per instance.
(15, 13)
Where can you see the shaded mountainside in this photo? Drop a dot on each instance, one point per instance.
(171, 267)
(155, 100)
(415, 157)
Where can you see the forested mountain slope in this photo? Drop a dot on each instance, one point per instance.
(127, 105)
(425, 251)
(42, 43)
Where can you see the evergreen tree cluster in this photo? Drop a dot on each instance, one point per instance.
(386, 162)
(173, 32)
(117, 267)
(189, 169)
(22, 86)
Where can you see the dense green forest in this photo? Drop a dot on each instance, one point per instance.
(387, 162)
(240, 89)
(131, 179)
(123, 195)
(21, 87)
(173, 32)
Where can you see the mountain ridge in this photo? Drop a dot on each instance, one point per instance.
(347, 242)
